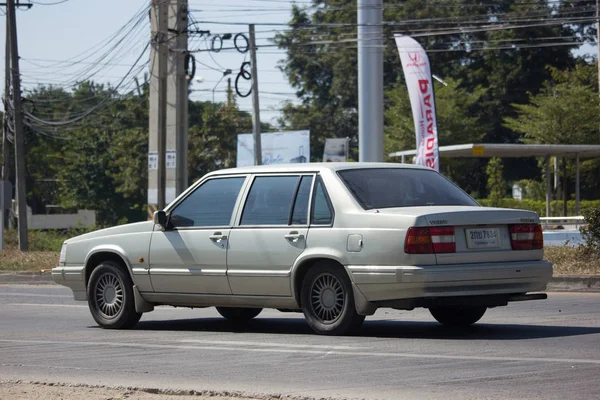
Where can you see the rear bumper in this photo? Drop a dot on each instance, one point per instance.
(72, 277)
(379, 283)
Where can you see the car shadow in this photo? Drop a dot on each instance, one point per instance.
(372, 328)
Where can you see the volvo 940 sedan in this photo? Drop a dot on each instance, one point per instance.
(334, 241)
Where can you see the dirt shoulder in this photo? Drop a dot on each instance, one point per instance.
(48, 391)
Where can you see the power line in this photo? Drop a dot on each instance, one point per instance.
(39, 3)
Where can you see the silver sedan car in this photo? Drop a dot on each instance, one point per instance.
(334, 241)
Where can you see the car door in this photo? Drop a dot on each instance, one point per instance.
(190, 255)
(270, 235)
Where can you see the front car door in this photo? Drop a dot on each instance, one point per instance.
(190, 256)
(270, 235)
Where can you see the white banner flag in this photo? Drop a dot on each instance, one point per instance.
(417, 73)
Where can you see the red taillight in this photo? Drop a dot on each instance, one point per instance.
(526, 236)
(430, 240)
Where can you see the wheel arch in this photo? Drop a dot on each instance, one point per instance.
(302, 267)
(106, 253)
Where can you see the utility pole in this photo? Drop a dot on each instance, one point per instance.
(229, 93)
(177, 100)
(370, 80)
(158, 106)
(5, 141)
(598, 40)
(18, 126)
(255, 103)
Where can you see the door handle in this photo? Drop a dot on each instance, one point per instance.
(217, 237)
(294, 236)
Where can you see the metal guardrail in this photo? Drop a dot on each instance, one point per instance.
(564, 222)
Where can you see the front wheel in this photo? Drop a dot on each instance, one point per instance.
(110, 297)
(328, 301)
(457, 316)
(238, 314)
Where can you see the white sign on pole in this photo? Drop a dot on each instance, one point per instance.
(153, 160)
(336, 150)
(171, 159)
(277, 148)
(417, 73)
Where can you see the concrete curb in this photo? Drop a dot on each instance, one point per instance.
(560, 283)
(575, 283)
(26, 278)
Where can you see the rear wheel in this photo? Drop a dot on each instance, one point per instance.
(328, 301)
(110, 297)
(238, 314)
(457, 316)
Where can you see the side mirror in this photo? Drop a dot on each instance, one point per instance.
(160, 218)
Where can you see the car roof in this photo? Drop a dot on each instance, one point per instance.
(313, 167)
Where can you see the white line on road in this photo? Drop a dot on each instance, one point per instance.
(44, 305)
(304, 351)
(271, 344)
(34, 294)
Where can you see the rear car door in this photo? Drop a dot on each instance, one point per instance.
(270, 235)
(191, 255)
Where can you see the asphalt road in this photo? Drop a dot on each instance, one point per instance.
(547, 349)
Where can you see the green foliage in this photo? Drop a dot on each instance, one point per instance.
(321, 64)
(565, 111)
(44, 240)
(495, 183)
(591, 231)
(213, 145)
(540, 206)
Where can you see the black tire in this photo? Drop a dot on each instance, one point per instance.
(457, 316)
(328, 301)
(238, 315)
(110, 297)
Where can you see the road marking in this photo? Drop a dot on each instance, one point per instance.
(304, 351)
(44, 305)
(264, 344)
(35, 295)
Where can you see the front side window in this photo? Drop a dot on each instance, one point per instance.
(270, 200)
(211, 204)
(402, 187)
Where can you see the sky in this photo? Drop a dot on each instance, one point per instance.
(53, 36)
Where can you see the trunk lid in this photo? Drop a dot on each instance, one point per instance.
(481, 233)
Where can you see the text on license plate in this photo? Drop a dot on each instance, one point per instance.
(483, 238)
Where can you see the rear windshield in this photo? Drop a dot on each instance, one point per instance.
(403, 187)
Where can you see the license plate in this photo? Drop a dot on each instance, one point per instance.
(483, 238)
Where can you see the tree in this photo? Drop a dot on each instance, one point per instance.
(566, 111)
(321, 61)
(213, 145)
(495, 183)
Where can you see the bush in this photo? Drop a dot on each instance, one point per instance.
(42, 240)
(540, 206)
(591, 231)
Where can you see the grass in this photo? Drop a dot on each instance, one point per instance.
(12, 259)
(571, 261)
(45, 247)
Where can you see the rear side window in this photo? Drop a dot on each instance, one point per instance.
(402, 187)
(211, 204)
(270, 200)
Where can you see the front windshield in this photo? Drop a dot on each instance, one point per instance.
(402, 187)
